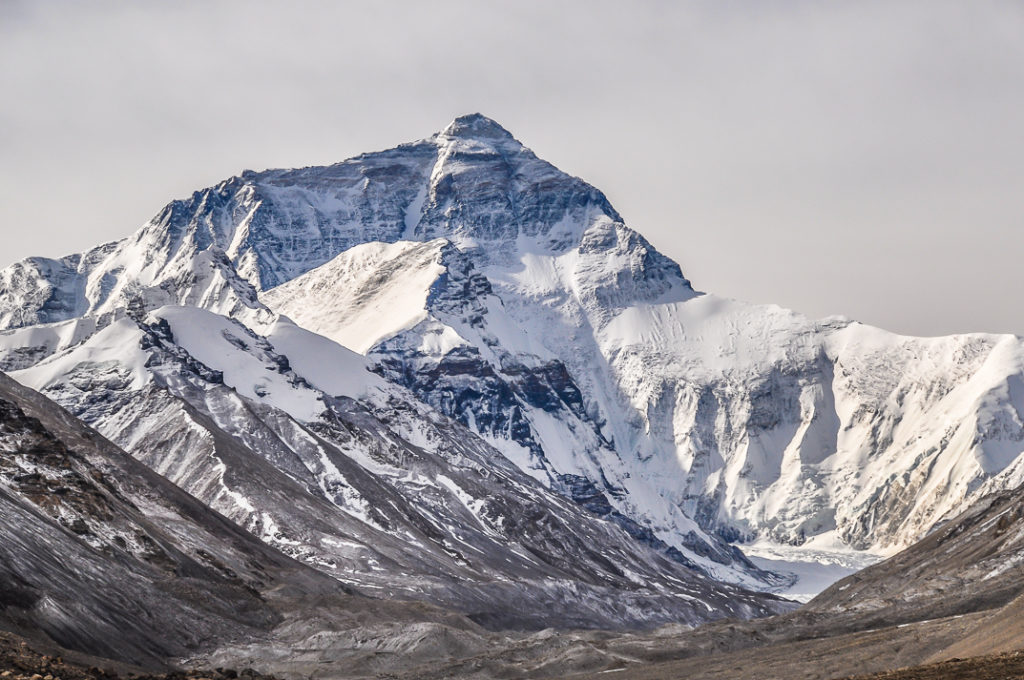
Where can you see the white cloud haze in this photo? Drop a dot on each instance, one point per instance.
(860, 158)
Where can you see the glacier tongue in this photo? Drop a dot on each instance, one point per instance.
(513, 298)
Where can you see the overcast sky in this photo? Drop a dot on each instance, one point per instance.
(858, 158)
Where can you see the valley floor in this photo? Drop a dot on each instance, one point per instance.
(721, 651)
(843, 656)
(1001, 667)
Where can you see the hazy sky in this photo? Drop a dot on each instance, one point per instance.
(857, 158)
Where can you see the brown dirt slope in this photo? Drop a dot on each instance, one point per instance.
(998, 667)
(1001, 633)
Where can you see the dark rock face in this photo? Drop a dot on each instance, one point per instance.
(466, 387)
(102, 557)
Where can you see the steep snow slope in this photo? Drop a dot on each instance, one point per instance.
(818, 427)
(370, 312)
(334, 466)
(512, 297)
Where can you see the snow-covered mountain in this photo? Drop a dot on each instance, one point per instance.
(513, 298)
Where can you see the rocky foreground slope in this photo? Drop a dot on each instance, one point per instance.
(102, 555)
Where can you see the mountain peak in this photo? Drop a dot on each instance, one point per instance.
(475, 126)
